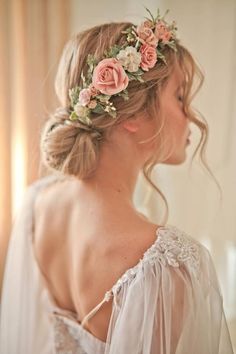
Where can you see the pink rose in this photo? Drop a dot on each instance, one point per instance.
(148, 57)
(162, 32)
(109, 77)
(84, 97)
(146, 35)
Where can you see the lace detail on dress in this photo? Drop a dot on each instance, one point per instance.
(71, 338)
(175, 247)
(172, 247)
(65, 341)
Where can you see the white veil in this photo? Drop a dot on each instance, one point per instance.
(24, 327)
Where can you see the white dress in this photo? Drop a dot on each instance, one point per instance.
(169, 303)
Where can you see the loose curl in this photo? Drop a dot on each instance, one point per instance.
(74, 149)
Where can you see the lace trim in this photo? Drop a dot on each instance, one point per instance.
(71, 338)
(65, 340)
(172, 247)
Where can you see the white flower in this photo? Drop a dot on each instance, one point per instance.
(129, 58)
(80, 110)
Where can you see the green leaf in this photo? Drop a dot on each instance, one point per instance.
(83, 78)
(134, 76)
(89, 76)
(137, 44)
(139, 72)
(98, 109)
(158, 14)
(131, 76)
(88, 120)
(139, 79)
(160, 55)
(103, 98)
(161, 45)
(131, 37)
(113, 51)
(153, 19)
(167, 11)
(172, 45)
(153, 23)
(73, 116)
(85, 120)
(162, 58)
(91, 61)
(124, 94)
(128, 30)
(74, 95)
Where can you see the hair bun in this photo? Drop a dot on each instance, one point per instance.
(69, 147)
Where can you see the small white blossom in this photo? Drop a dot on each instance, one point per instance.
(129, 58)
(80, 110)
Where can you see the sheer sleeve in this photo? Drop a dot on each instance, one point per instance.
(171, 303)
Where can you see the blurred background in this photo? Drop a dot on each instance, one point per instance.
(32, 35)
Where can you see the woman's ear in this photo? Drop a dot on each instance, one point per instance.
(131, 125)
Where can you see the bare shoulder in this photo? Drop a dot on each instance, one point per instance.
(61, 215)
(52, 208)
(51, 198)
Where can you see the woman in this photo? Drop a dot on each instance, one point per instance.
(93, 275)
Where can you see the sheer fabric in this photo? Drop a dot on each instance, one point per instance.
(169, 303)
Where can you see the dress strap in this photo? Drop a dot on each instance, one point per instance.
(106, 298)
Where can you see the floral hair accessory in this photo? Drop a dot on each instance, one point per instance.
(121, 64)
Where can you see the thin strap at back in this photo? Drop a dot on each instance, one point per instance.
(106, 298)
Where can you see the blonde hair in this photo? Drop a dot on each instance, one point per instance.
(74, 149)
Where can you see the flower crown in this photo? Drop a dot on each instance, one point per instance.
(121, 64)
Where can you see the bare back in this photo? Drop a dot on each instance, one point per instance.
(83, 245)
